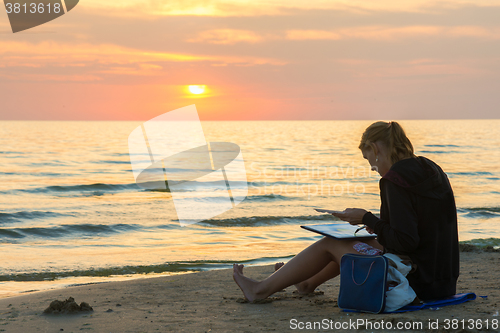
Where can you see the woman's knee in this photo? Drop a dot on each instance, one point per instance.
(327, 242)
(336, 247)
(324, 245)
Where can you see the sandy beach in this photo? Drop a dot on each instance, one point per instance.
(211, 302)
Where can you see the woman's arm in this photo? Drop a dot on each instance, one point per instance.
(400, 232)
(351, 215)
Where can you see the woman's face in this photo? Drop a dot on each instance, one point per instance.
(378, 157)
(369, 155)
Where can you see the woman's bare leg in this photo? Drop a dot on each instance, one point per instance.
(308, 286)
(302, 267)
(374, 243)
(329, 272)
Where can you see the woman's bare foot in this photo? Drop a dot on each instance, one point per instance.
(302, 287)
(278, 265)
(247, 285)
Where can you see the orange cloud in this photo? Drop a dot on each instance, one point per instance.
(384, 33)
(65, 53)
(312, 35)
(380, 33)
(415, 68)
(228, 36)
(107, 58)
(51, 77)
(140, 8)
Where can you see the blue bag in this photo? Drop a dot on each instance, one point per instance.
(363, 281)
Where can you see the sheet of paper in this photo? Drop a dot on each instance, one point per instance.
(328, 211)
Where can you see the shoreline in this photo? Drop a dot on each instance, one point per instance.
(211, 301)
(72, 281)
(29, 284)
(25, 287)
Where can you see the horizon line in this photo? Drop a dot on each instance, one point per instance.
(249, 120)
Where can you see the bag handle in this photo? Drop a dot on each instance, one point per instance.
(367, 275)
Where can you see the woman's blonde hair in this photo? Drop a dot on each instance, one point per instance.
(392, 135)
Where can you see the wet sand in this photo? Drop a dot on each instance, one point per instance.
(211, 302)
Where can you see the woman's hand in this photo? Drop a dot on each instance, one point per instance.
(352, 215)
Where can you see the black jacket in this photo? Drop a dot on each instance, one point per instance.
(418, 218)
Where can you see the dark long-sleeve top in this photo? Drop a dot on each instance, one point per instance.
(418, 218)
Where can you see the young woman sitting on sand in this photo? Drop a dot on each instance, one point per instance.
(418, 219)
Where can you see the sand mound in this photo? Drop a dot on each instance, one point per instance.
(68, 306)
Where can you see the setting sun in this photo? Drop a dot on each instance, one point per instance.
(197, 89)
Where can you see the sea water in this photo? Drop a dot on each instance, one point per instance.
(72, 213)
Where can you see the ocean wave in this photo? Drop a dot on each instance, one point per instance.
(29, 215)
(279, 182)
(441, 152)
(112, 162)
(271, 197)
(480, 212)
(442, 146)
(477, 173)
(254, 221)
(91, 187)
(96, 189)
(9, 233)
(101, 188)
(486, 245)
(37, 174)
(76, 230)
(180, 266)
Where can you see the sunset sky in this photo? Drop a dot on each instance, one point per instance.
(259, 60)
